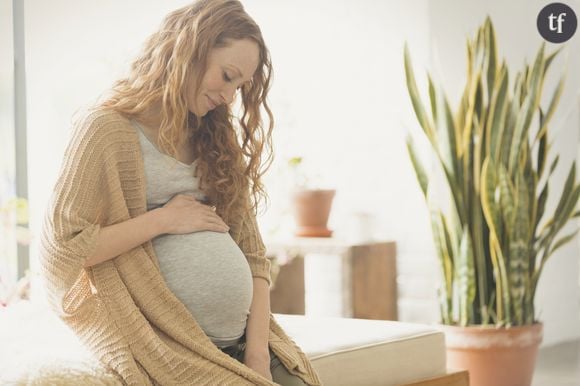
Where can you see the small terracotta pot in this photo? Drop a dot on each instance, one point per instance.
(311, 212)
(494, 356)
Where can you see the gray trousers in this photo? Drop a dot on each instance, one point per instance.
(279, 373)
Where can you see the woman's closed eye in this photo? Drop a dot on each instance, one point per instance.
(228, 79)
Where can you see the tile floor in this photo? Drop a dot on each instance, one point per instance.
(558, 365)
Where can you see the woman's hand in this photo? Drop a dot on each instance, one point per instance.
(259, 362)
(185, 214)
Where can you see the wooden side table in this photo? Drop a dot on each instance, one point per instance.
(364, 273)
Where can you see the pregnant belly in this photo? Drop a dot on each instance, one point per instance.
(209, 273)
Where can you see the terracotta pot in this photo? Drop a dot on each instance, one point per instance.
(311, 212)
(494, 356)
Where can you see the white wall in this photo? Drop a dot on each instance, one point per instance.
(339, 99)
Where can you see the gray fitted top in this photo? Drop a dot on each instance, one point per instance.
(206, 270)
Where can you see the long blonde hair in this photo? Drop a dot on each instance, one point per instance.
(178, 50)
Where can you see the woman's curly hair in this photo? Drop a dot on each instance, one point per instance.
(228, 151)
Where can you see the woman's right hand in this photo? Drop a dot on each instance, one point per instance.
(185, 214)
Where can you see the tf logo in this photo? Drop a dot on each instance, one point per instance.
(557, 22)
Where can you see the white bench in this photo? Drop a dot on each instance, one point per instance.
(37, 348)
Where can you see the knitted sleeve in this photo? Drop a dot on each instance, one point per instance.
(71, 221)
(250, 242)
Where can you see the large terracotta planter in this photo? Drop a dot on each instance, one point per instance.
(494, 356)
(311, 212)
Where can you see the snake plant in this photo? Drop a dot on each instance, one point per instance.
(496, 235)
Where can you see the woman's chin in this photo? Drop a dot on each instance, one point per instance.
(199, 114)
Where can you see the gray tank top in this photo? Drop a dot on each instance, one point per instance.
(206, 270)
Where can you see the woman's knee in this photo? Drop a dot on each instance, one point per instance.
(282, 376)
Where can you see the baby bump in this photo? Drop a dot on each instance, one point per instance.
(208, 272)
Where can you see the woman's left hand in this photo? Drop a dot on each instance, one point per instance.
(258, 361)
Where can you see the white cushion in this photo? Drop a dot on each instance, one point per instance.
(37, 348)
(367, 352)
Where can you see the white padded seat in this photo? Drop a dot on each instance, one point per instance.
(368, 352)
(37, 348)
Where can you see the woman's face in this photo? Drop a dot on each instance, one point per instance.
(228, 68)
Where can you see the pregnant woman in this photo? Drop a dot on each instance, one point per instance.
(150, 251)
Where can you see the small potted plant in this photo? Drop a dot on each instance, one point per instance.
(496, 235)
(311, 205)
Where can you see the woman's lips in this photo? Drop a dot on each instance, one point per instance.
(212, 104)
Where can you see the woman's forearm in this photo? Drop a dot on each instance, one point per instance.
(258, 326)
(118, 238)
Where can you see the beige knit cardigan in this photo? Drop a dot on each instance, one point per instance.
(122, 309)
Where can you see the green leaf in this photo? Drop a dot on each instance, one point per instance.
(550, 58)
(561, 242)
(551, 108)
(465, 276)
(492, 57)
(445, 263)
(446, 134)
(489, 202)
(416, 99)
(507, 198)
(567, 192)
(518, 247)
(542, 150)
(496, 118)
(432, 97)
(527, 110)
(418, 166)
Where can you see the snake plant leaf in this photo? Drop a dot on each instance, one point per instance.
(556, 224)
(498, 109)
(551, 108)
(563, 241)
(531, 179)
(554, 164)
(566, 198)
(418, 166)
(542, 148)
(529, 106)
(507, 200)
(544, 196)
(492, 56)
(474, 157)
(568, 210)
(518, 248)
(509, 124)
(502, 285)
(489, 198)
(449, 237)
(445, 264)
(469, 62)
(541, 204)
(479, 113)
(566, 206)
(465, 277)
(463, 107)
(550, 58)
(446, 133)
(432, 97)
(416, 99)
(471, 93)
